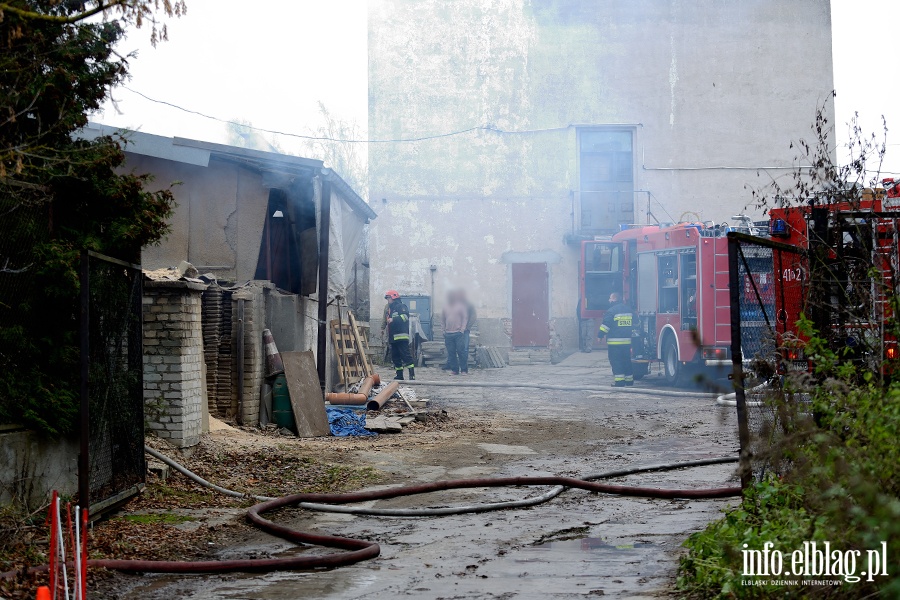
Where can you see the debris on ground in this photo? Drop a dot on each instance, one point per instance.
(347, 421)
(383, 424)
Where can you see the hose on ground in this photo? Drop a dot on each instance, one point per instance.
(355, 551)
(731, 399)
(443, 511)
(548, 386)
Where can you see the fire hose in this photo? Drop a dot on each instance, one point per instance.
(359, 550)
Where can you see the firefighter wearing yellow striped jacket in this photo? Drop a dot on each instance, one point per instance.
(616, 327)
(398, 332)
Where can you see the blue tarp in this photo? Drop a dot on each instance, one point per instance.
(346, 421)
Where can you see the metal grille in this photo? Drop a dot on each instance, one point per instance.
(112, 414)
(769, 289)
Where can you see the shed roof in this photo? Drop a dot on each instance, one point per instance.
(197, 152)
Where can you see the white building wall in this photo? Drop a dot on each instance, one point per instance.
(714, 90)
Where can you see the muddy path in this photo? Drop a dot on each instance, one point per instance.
(578, 545)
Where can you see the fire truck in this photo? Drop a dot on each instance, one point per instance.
(676, 279)
(856, 244)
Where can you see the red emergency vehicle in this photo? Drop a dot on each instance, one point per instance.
(676, 279)
(859, 241)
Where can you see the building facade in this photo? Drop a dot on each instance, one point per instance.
(577, 118)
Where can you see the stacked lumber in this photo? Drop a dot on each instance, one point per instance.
(489, 357)
(435, 353)
(216, 327)
(529, 356)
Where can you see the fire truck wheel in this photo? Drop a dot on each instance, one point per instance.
(672, 366)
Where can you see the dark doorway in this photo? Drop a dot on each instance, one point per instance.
(288, 255)
(530, 305)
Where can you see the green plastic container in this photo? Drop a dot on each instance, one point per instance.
(282, 413)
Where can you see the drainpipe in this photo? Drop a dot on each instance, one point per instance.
(324, 232)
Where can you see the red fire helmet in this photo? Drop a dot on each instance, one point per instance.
(392, 294)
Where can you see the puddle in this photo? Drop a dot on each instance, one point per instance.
(504, 449)
(286, 585)
(645, 446)
(293, 585)
(587, 544)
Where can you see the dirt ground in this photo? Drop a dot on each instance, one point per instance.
(578, 545)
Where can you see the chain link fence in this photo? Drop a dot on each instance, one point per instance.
(769, 288)
(112, 411)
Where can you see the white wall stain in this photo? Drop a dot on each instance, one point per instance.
(444, 207)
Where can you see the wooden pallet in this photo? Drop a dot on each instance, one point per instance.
(362, 338)
(350, 350)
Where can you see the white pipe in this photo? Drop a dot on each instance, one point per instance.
(731, 399)
(549, 386)
(77, 551)
(62, 550)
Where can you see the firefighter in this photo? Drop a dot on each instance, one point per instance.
(617, 327)
(398, 334)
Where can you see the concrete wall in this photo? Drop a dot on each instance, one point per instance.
(218, 222)
(31, 467)
(173, 356)
(713, 90)
(293, 321)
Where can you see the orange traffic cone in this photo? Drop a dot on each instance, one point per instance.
(43, 593)
(274, 364)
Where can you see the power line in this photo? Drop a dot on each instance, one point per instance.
(423, 138)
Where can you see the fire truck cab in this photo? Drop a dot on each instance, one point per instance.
(676, 279)
(859, 242)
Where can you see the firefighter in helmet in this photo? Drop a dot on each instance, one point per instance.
(398, 334)
(617, 327)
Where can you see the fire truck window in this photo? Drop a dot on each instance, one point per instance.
(605, 258)
(688, 292)
(603, 274)
(668, 284)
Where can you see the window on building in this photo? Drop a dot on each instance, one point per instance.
(606, 165)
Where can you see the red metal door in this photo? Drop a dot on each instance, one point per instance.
(530, 305)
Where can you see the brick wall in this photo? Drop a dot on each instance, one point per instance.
(173, 351)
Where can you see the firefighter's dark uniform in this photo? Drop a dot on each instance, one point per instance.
(617, 329)
(398, 330)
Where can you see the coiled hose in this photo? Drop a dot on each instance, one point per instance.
(358, 550)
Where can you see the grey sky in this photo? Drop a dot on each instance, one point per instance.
(272, 63)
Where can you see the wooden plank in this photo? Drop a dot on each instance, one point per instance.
(306, 395)
(361, 345)
(333, 328)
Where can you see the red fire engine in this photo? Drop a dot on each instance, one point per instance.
(860, 242)
(676, 279)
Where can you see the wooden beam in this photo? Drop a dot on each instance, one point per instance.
(324, 233)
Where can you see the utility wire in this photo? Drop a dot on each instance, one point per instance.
(331, 139)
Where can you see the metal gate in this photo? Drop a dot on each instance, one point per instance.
(769, 290)
(111, 464)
